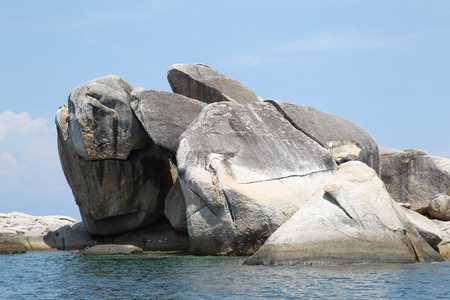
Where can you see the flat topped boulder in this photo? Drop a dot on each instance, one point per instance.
(201, 82)
(165, 116)
(345, 140)
(351, 220)
(111, 249)
(244, 170)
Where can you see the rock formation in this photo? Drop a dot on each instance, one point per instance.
(244, 170)
(111, 249)
(214, 169)
(412, 176)
(351, 220)
(118, 176)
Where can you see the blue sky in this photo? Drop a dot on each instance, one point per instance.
(384, 65)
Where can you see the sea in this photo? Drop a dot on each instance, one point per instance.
(154, 275)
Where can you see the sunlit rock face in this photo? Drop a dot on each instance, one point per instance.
(118, 176)
(244, 170)
(352, 219)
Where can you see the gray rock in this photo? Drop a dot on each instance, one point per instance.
(439, 207)
(429, 231)
(11, 245)
(156, 237)
(444, 245)
(344, 139)
(175, 207)
(111, 250)
(244, 170)
(165, 116)
(351, 220)
(46, 233)
(412, 176)
(102, 125)
(205, 84)
(113, 195)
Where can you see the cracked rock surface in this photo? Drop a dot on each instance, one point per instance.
(351, 220)
(244, 170)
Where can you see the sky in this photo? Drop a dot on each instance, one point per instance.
(384, 65)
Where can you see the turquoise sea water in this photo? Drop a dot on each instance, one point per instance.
(68, 275)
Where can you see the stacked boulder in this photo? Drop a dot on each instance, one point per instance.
(211, 158)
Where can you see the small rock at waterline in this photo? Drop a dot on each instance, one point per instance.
(111, 249)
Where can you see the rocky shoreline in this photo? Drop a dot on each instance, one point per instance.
(212, 169)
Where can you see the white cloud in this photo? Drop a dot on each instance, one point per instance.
(30, 171)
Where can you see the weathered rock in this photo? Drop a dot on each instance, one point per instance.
(205, 84)
(412, 176)
(111, 249)
(156, 237)
(46, 233)
(113, 195)
(244, 170)
(11, 245)
(344, 139)
(175, 207)
(444, 245)
(102, 125)
(165, 116)
(351, 220)
(439, 207)
(429, 231)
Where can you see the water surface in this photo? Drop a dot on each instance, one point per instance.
(50, 275)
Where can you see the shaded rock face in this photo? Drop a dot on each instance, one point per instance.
(165, 116)
(439, 207)
(102, 125)
(351, 220)
(413, 177)
(345, 140)
(175, 207)
(244, 170)
(205, 84)
(115, 193)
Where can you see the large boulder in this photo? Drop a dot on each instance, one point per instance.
(439, 207)
(351, 220)
(165, 116)
(344, 139)
(116, 191)
(428, 230)
(205, 84)
(45, 233)
(244, 170)
(102, 125)
(412, 176)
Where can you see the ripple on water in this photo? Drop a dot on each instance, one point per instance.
(151, 275)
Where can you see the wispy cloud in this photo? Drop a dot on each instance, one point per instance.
(30, 171)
